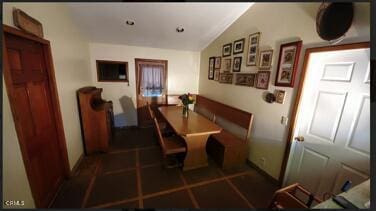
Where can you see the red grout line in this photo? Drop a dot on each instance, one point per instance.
(133, 149)
(185, 187)
(237, 190)
(139, 185)
(119, 171)
(151, 165)
(91, 184)
(163, 192)
(116, 203)
(191, 196)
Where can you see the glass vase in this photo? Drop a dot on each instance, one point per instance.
(185, 111)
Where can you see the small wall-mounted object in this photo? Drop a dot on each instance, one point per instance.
(112, 71)
(333, 20)
(269, 97)
(280, 96)
(27, 23)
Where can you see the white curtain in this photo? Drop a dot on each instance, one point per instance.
(152, 80)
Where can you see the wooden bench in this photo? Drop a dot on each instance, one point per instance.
(227, 148)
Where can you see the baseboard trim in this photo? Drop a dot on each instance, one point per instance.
(77, 164)
(258, 169)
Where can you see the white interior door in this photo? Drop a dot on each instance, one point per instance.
(334, 120)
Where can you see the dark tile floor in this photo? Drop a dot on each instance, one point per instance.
(131, 175)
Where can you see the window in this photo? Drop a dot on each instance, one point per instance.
(152, 80)
(112, 71)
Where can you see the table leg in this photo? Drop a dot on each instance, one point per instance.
(196, 156)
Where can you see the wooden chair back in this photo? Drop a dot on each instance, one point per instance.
(287, 198)
(151, 113)
(160, 137)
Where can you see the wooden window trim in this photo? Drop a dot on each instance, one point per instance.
(139, 62)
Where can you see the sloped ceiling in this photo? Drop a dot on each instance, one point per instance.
(156, 23)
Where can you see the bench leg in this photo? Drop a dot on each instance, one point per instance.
(196, 156)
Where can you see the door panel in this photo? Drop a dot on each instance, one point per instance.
(311, 161)
(333, 118)
(368, 75)
(348, 173)
(326, 115)
(359, 135)
(33, 112)
(338, 71)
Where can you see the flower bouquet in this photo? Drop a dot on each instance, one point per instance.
(186, 99)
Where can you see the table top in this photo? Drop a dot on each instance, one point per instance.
(357, 195)
(195, 124)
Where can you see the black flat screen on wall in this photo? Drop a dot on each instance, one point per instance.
(112, 71)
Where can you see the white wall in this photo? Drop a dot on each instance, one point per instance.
(183, 73)
(71, 61)
(278, 23)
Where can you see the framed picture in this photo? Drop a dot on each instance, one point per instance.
(237, 64)
(226, 65)
(253, 48)
(217, 63)
(266, 59)
(239, 46)
(226, 50)
(280, 96)
(287, 63)
(226, 78)
(211, 68)
(262, 81)
(245, 79)
(216, 74)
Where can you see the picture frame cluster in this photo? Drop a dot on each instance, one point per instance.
(227, 69)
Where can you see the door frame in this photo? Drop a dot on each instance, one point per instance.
(149, 61)
(55, 105)
(297, 102)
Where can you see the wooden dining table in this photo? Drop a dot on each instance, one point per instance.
(195, 130)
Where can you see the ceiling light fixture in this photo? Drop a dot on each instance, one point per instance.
(179, 29)
(129, 22)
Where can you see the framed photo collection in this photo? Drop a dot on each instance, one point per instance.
(227, 69)
(226, 78)
(226, 50)
(227, 65)
(237, 64)
(245, 79)
(287, 64)
(266, 59)
(211, 68)
(262, 81)
(239, 46)
(253, 48)
(217, 63)
(216, 74)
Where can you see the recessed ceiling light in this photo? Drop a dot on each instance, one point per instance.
(130, 22)
(179, 29)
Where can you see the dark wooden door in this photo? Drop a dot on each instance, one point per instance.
(143, 116)
(33, 112)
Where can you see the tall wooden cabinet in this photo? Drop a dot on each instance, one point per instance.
(96, 116)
